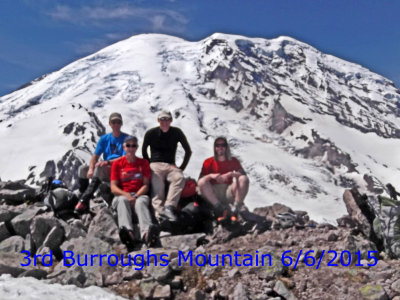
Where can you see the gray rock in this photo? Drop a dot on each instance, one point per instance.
(7, 214)
(148, 286)
(4, 233)
(183, 242)
(162, 292)
(240, 292)
(11, 264)
(196, 294)
(130, 274)
(13, 244)
(88, 245)
(29, 244)
(75, 229)
(396, 286)
(35, 273)
(54, 238)
(233, 272)
(40, 228)
(282, 290)
(372, 291)
(160, 273)
(16, 197)
(176, 283)
(104, 226)
(22, 222)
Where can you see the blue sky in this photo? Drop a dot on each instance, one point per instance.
(40, 36)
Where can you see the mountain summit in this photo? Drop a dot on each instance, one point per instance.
(304, 124)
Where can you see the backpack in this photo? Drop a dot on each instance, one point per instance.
(59, 198)
(189, 190)
(386, 225)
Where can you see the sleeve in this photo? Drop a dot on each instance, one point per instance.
(205, 170)
(145, 145)
(115, 171)
(188, 152)
(238, 167)
(100, 147)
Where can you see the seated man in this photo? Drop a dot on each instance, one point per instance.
(130, 177)
(163, 141)
(110, 145)
(223, 181)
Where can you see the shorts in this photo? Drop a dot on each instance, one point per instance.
(224, 192)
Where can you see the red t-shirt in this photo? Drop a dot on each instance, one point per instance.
(130, 175)
(211, 165)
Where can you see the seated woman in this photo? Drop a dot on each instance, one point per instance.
(130, 177)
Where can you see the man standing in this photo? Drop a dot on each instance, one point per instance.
(163, 142)
(130, 177)
(223, 181)
(110, 145)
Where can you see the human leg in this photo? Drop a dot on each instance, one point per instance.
(158, 174)
(129, 233)
(148, 231)
(176, 184)
(240, 187)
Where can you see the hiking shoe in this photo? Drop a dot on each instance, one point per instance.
(127, 238)
(151, 236)
(81, 208)
(169, 213)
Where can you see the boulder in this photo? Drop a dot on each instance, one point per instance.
(104, 226)
(21, 223)
(13, 244)
(4, 232)
(40, 228)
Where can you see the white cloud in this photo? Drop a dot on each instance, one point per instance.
(91, 15)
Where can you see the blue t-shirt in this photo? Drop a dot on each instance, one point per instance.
(110, 146)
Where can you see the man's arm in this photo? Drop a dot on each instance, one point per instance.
(188, 151)
(144, 188)
(117, 191)
(145, 145)
(92, 165)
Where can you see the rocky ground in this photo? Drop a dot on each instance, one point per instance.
(163, 273)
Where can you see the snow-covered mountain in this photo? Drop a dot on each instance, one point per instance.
(305, 124)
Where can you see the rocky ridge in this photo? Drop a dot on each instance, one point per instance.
(27, 226)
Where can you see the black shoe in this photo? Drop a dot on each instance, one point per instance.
(169, 213)
(126, 238)
(151, 236)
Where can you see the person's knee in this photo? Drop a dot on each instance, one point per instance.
(142, 201)
(202, 182)
(82, 171)
(243, 180)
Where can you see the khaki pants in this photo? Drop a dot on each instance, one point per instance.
(161, 172)
(103, 173)
(224, 192)
(141, 213)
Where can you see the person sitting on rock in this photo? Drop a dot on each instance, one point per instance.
(130, 177)
(163, 142)
(223, 181)
(110, 145)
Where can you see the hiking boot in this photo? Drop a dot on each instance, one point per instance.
(222, 213)
(81, 208)
(169, 213)
(127, 238)
(151, 236)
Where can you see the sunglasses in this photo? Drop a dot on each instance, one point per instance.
(165, 119)
(116, 122)
(131, 145)
(220, 145)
